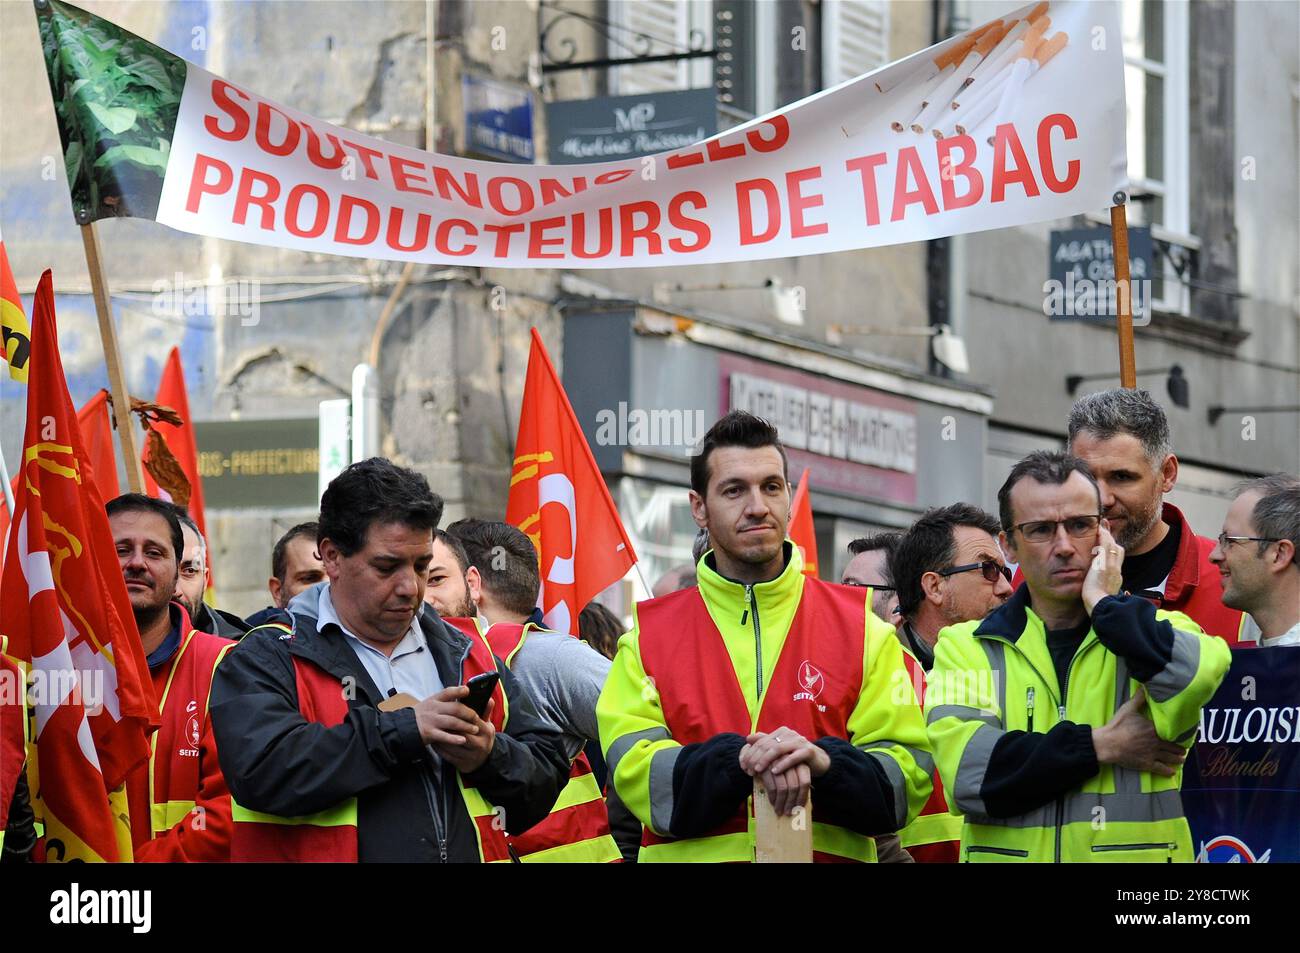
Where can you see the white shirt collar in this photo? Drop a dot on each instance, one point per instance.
(327, 614)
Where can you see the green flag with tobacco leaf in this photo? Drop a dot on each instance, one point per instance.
(116, 97)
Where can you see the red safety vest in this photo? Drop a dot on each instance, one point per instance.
(813, 689)
(184, 685)
(577, 829)
(331, 835)
(934, 836)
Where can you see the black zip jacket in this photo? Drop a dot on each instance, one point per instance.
(277, 762)
(219, 622)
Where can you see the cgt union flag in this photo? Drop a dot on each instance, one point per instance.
(66, 616)
(559, 498)
(802, 530)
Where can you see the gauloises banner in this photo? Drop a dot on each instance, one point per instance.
(1018, 120)
(1241, 784)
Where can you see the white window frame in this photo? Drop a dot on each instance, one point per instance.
(1174, 190)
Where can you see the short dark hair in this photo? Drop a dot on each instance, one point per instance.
(737, 429)
(375, 491)
(280, 553)
(888, 541)
(1049, 467)
(183, 516)
(1277, 511)
(515, 580)
(139, 503)
(930, 545)
(456, 547)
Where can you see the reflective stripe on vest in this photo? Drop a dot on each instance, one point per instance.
(931, 829)
(934, 825)
(830, 844)
(577, 828)
(682, 650)
(163, 817)
(343, 814)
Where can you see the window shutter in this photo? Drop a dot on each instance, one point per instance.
(855, 38)
(666, 21)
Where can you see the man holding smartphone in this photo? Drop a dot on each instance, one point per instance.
(347, 720)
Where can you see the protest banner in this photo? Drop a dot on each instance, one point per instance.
(148, 134)
(1241, 783)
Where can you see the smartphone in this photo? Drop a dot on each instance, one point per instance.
(480, 690)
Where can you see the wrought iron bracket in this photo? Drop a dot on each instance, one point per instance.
(560, 54)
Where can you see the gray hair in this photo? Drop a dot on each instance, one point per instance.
(1123, 411)
(1277, 513)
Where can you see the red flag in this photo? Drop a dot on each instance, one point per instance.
(15, 335)
(97, 433)
(555, 488)
(802, 530)
(180, 440)
(13, 719)
(65, 611)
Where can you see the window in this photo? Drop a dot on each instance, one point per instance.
(1156, 87)
(671, 23)
(855, 38)
(742, 34)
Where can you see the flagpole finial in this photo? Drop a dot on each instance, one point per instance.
(83, 214)
(42, 4)
(1119, 198)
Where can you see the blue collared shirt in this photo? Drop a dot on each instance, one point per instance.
(410, 667)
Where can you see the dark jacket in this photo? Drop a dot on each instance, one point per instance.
(219, 622)
(277, 762)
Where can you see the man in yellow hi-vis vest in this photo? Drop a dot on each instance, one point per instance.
(759, 672)
(1060, 722)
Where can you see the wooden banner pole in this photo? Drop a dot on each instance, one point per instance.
(113, 358)
(1124, 295)
(777, 839)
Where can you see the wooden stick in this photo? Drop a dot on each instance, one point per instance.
(781, 840)
(1123, 290)
(113, 357)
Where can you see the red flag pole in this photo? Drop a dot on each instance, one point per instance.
(113, 358)
(1124, 302)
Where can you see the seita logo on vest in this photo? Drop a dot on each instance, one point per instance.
(811, 681)
(193, 732)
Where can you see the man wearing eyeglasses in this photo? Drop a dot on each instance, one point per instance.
(192, 582)
(869, 567)
(1257, 557)
(947, 569)
(1123, 437)
(1060, 722)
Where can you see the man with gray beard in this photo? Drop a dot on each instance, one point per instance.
(1123, 437)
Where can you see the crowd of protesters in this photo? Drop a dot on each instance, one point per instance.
(1000, 679)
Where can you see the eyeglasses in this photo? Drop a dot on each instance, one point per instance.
(988, 567)
(870, 585)
(1225, 539)
(1040, 531)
